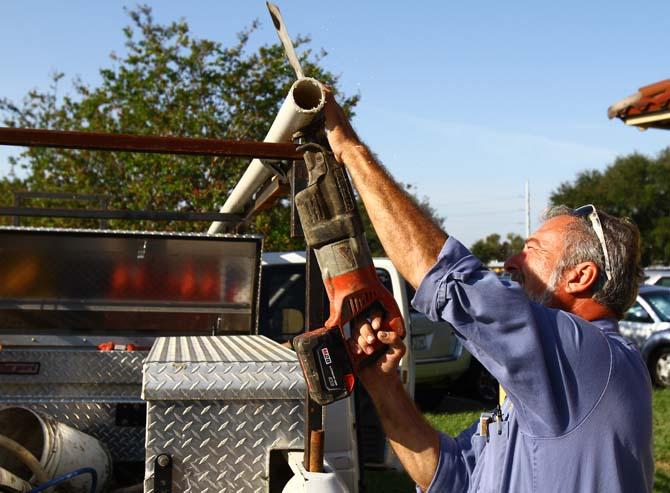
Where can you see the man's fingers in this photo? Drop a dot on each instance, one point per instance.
(365, 331)
(366, 338)
(376, 319)
(387, 365)
(354, 347)
(363, 334)
(391, 339)
(394, 353)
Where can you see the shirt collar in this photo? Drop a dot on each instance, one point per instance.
(607, 324)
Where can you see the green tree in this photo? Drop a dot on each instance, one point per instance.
(492, 248)
(635, 186)
(487, 249)
(169, 82)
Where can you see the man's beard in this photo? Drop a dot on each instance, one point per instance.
(546, 297)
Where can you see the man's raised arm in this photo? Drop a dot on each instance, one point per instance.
(409, 236)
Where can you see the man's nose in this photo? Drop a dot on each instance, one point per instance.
(513, 264)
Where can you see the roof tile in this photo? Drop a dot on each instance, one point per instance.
(649, 99)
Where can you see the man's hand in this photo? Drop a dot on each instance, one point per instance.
(365, 331)
(341, 135)
(414, 441)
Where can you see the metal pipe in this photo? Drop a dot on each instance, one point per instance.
(119, 214)
(304, 101)
(527, 210)
(98, 141)
(316, 446)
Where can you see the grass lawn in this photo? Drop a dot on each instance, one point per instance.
(454, 423)
(662, 440)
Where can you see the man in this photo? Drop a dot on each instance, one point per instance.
(577, 417)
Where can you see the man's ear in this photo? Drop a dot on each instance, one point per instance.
(581, 278)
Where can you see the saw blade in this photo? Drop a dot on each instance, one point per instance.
(278, 21)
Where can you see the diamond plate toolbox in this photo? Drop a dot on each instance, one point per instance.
(83, 388)
(218, 406)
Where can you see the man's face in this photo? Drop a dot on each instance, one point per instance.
(535, 266)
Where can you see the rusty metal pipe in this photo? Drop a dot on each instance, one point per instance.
(119, 214)
(98, 141)
(316, 447)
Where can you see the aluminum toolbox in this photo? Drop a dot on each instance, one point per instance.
(126, 283)
(63, 292)
(219, 407)
(95, 392)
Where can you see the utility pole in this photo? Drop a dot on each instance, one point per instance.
(527, 209)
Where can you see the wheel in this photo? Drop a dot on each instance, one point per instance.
(659, 366)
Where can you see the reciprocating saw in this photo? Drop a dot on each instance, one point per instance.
(333, 228)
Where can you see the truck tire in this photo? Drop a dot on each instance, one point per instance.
(659, 366)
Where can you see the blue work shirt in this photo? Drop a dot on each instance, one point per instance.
(577, 417)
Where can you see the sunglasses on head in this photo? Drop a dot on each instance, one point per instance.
(591, 213)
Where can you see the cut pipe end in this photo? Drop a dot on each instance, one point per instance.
(308, 95)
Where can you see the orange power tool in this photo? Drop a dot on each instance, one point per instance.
(333, 228)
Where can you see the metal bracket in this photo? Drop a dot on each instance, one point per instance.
(163, 474)
(276, 168)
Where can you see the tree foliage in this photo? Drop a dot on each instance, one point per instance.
(168, 82)
(492, 248)
(634, 186)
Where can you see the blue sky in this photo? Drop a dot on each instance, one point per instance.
(464, 100)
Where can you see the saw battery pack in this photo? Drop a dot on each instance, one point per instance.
(326, 364)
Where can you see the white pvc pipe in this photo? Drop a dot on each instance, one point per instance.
(304, 101)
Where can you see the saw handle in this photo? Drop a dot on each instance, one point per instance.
(391, 322)
(357, 292)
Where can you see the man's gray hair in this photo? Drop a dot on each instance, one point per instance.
(623, 245)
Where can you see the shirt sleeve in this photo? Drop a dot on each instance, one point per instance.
(553, 365)
(456, 463)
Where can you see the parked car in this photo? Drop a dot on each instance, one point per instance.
(656, 352)
(657, 276)
(439, 357)
(646, 323)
